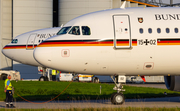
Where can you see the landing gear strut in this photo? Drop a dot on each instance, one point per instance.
(118, 98)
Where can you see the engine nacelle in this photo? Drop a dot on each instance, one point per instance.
(172, 82)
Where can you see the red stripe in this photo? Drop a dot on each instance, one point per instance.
(95, 42)
(134, 41)
(14, 47)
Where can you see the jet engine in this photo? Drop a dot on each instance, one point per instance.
(172, 82)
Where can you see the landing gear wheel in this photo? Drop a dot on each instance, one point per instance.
(118, 99)
(112, 97)
(42, 78)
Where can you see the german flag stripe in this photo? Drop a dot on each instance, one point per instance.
(69, 43)
(168, 41)
(19, 47)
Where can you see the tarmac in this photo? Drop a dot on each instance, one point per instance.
(168, 102)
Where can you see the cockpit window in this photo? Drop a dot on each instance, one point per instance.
(64, 30)
(75, 30)
(86, 30)
(14, 41)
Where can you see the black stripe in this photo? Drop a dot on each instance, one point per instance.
(168, 39)
(93, 40)
(70, 41)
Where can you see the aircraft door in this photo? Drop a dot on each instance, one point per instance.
(30, 41)
(122, 32)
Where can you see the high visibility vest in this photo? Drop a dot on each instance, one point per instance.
(10, 85)
(53, 72)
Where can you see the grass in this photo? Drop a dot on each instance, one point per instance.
(36, 90)
(98, 109)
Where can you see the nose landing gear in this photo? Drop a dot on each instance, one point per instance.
(118, 98)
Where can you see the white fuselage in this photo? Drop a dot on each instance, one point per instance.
(22, 47)
(133, 41)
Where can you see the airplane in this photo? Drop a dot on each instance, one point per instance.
(21, 48)
(118, 43)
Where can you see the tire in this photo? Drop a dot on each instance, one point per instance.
(3, 76)
(42, 78)
(96, 80)
(118, 99)
(112, 97)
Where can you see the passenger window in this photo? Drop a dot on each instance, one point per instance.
(86, 30)
(75, 30)
(14, 41)
(176, 30)
(150, 30)
(141, 30)
(64, 30)
(158, 30)
(167, 30)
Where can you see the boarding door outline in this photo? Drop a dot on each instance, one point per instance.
(122, 32)
(30, 41)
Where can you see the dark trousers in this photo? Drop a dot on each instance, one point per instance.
(54, 77)
(9, 96)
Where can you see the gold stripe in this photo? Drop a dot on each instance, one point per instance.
(134, 44)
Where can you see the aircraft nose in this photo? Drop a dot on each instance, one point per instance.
(7, 52)
(43, 55)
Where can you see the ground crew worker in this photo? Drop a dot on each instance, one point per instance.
(8, 90)
(54, 75)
